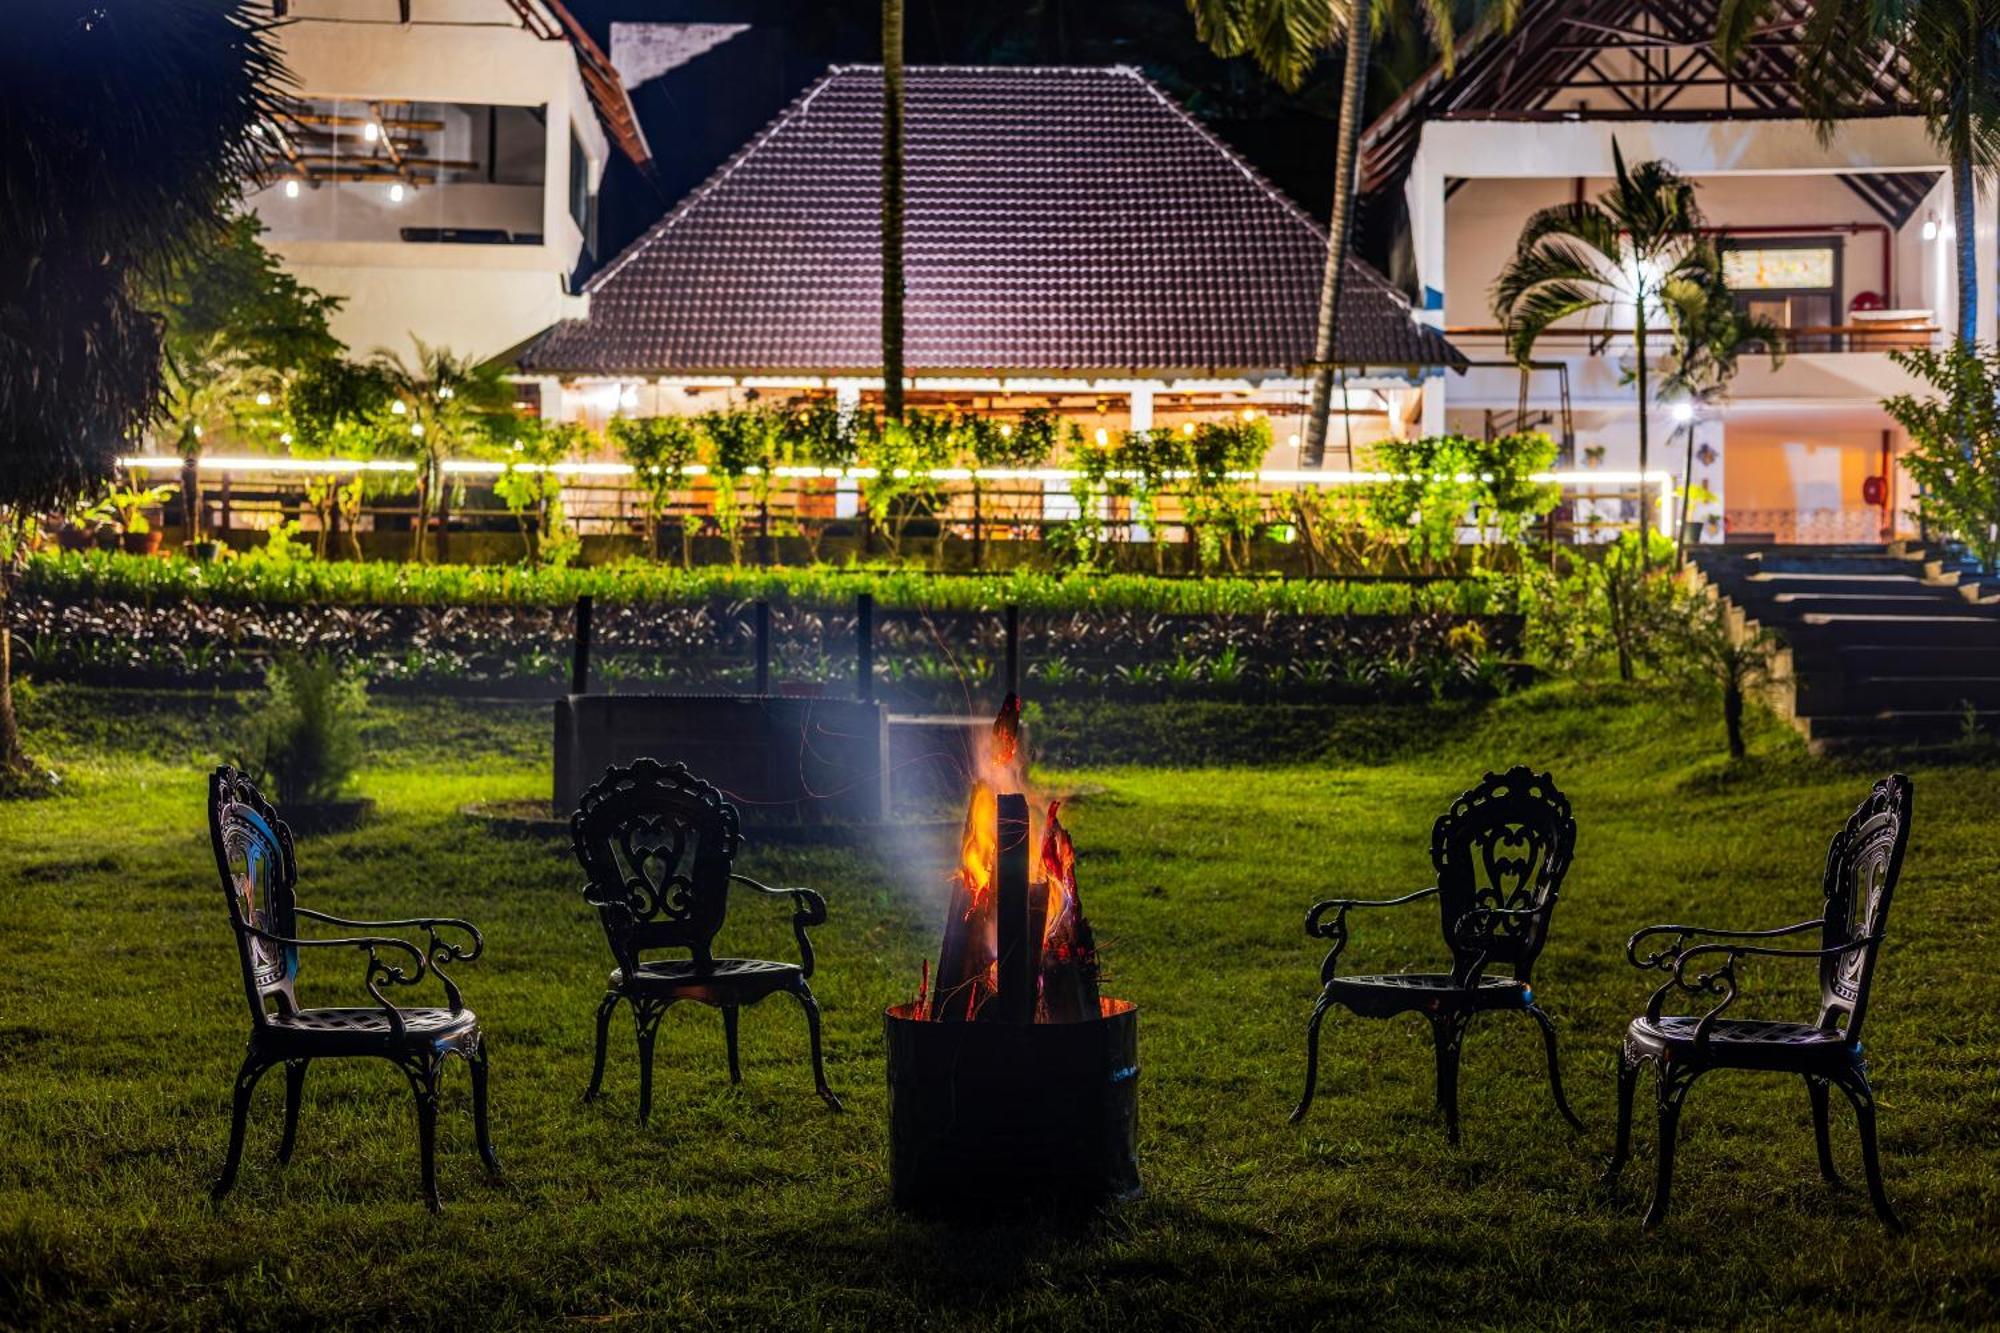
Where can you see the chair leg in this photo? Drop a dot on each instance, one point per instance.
(729, 1038)
(646, 1014)
(246, 1083)
(1448, 1038)
(422, 1071)
(1628, 1085)
(1817, 1090)
(1312, 1056)
(811, 1006)
(605, 1008)
(1555, 1069)
(1671, 1090)
(295, 1087)
(1863, 1097)
(482, 1126)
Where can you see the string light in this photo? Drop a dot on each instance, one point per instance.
(399, 407)
(1187, 428)
(416, 428)
(445, 392)
(1103, 435)
(263, 400)
(286, 438)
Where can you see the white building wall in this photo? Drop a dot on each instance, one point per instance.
(477, 300)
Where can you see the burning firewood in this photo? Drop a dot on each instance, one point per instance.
(1069, 950)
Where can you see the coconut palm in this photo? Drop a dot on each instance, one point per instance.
(441, 405)
(1949, 51)
(1286, 38)
(127, 141)
(1624, 251)
(892, 209)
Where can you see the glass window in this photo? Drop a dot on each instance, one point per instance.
(1791, 268)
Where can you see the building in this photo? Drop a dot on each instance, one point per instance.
(438, 165)
(1846, 241)
(1074, 239)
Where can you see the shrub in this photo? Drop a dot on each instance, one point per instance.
(307, 726)
(1956, 438)
(1447, 482)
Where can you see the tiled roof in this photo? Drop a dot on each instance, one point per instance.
(1059, 221)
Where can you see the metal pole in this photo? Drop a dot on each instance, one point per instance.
(763, 647)
(864, 645)
(579, 662)
(1013, 649)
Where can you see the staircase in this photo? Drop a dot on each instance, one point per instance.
(1883, 646)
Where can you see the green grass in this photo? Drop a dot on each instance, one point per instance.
(78, 574)
(121, 1021)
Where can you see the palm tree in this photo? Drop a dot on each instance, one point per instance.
(442, 404)
(1286, 39)
(892, 209)
(1641, 237)
(127, 142)
(1950, 53)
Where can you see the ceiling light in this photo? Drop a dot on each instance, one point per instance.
(396, 193)
(1683, 412)
(291, 189)
(629, 396)
(371, 131)
(1930, 226)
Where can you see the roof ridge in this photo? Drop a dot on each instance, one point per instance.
(700, 193)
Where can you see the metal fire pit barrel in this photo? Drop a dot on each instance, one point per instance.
(988, 1116)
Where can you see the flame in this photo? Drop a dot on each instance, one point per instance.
(1007, 732)
(1059, 870)
(979, 849)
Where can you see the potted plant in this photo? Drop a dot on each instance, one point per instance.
(308, 737)
(140, 536)
(79, 530)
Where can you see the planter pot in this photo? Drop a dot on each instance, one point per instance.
(204, 551)
(73, 538)
(143, 543)
(327, 816)
(108, 539)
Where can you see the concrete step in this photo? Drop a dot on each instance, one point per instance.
(1923, 693)
(1858, 661)
(1926, 726)
(1823, 631)
(1793, 606)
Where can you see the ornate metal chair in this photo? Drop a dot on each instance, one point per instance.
(1500, 853)
(253, 855)
(1862, 865)
(656, 845)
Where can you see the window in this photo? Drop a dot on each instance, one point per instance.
(582, 203)
(1793, 282)
(417, 172)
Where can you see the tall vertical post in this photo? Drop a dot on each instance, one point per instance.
(579, 661)
(1014, 649)
(864, 646)
(1014, 996)
(763, 647)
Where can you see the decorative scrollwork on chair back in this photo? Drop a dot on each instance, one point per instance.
(1500, 853)
(656, 844)
(255, 860)
(1862, 865)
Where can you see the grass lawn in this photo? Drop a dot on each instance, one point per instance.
(122, 1021)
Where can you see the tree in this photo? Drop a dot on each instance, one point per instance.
(127, 137)
(337, 408)
(532, 488)
(238, 328)
(1639, 238)
(659, 449)
(441, 405)
(1706, 651)
(1285, 38)
(1949, 54)
(892, 209)
(1955, 436)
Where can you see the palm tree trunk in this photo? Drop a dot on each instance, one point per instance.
(12, 760)
(1687, 497)
(1346, 162)
(191, 490)
(1965, 217)
(892, 209)
(1645, 457)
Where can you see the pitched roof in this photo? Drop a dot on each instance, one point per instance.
(552, 20)
(1058, 221)
(1637, 60)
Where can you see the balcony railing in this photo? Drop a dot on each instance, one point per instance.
(1874, 335)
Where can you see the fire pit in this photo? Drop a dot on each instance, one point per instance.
(1011, 1080)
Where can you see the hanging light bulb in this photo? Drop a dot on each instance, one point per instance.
(416, 428)
(396, 193)
(263, 400)
(1187, 428)
(444, 392)
(286, 438)
(1249, 414)
(371, 131)
(291, 189)
(1006, 432)
(1103, 435)
(399, 407)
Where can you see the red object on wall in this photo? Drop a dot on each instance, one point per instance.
(1872, 491)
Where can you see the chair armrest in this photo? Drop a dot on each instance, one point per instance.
(437, 949)
(809, 909)
(1335, 931)
(378, 973)
(1692, 975)
(1664, 959)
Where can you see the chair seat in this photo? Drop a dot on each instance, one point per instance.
(1747, 1042)
(1399, 992)
(733, 977)
(367, 1027)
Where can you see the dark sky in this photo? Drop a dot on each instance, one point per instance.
(700, 114)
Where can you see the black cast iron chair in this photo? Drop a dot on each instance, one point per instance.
(1500, 853)
(253, 855)
(1862, 865)
(656, 844)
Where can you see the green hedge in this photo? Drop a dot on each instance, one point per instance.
(69, 574)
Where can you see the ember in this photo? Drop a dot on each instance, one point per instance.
(1011, 1079)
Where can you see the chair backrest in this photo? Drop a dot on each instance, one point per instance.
(1862, 865)
(656, 844)
(253, 856)
(1505, 844)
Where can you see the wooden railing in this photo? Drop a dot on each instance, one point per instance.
(1866, 336)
